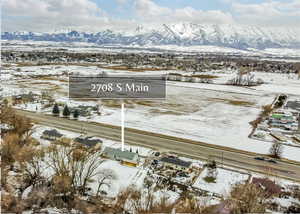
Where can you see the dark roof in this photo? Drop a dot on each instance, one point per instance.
(52, 132)
(87, 141)
(176, 161)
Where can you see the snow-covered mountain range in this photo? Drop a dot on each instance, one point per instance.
(181, 34)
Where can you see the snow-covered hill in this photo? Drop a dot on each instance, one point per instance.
(182, 34)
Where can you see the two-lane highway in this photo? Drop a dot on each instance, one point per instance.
(185, 147)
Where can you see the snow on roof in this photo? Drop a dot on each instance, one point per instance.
(119, 154)
(88, 141)
(52, 132)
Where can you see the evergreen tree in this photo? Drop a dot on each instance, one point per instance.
(55, 110)
(66, 111)
(76, 114)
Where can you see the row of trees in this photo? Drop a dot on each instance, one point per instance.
(66, 111)
(245, 79)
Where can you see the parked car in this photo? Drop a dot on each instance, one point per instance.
(259, 158)
(265, 159)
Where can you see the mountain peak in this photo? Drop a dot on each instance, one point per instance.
(183, 34)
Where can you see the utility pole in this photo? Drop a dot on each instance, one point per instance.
(222, 159)
(299, 122)
(122, 125)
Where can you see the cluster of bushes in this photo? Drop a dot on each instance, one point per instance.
(66, 111)
(245, 79)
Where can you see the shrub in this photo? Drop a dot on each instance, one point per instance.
(55, 110)
(66, 111)
(209, 179)
(247, 198)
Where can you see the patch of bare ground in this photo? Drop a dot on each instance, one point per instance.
(26, 64)
(117, 103)
(23, 83)
(205, 76)
(266, 110)
(233, 102)
(55, 88)
(145, 103)
(162, 112)
(41, 83)
(50, 78)
(7, 65)
(113, 67)
(183, 108)
(125, 68)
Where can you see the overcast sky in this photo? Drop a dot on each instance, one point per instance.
(96, 15)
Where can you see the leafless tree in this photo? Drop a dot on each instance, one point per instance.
(276, 150)
(105, 177)
(75, 165)
(246, 198)
(32, 167)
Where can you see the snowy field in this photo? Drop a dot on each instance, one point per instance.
(224, 181)
(212, 113)
(124, 177)
(83, 47)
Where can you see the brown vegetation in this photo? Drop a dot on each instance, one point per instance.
(276, 150)
(233, 102)
(266, 110)
(205, 76)
(126, 68)
(246, 198)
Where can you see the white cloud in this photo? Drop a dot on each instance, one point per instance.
(86, 15)
(270, 13)
(122, 1)
(47, 15)
(148, 11)
(51, 8)
(198, 16)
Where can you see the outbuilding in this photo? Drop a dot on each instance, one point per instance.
(125, 157)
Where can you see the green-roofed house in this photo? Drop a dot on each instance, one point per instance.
(282, 117)
(277, 116)
(125, 157)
